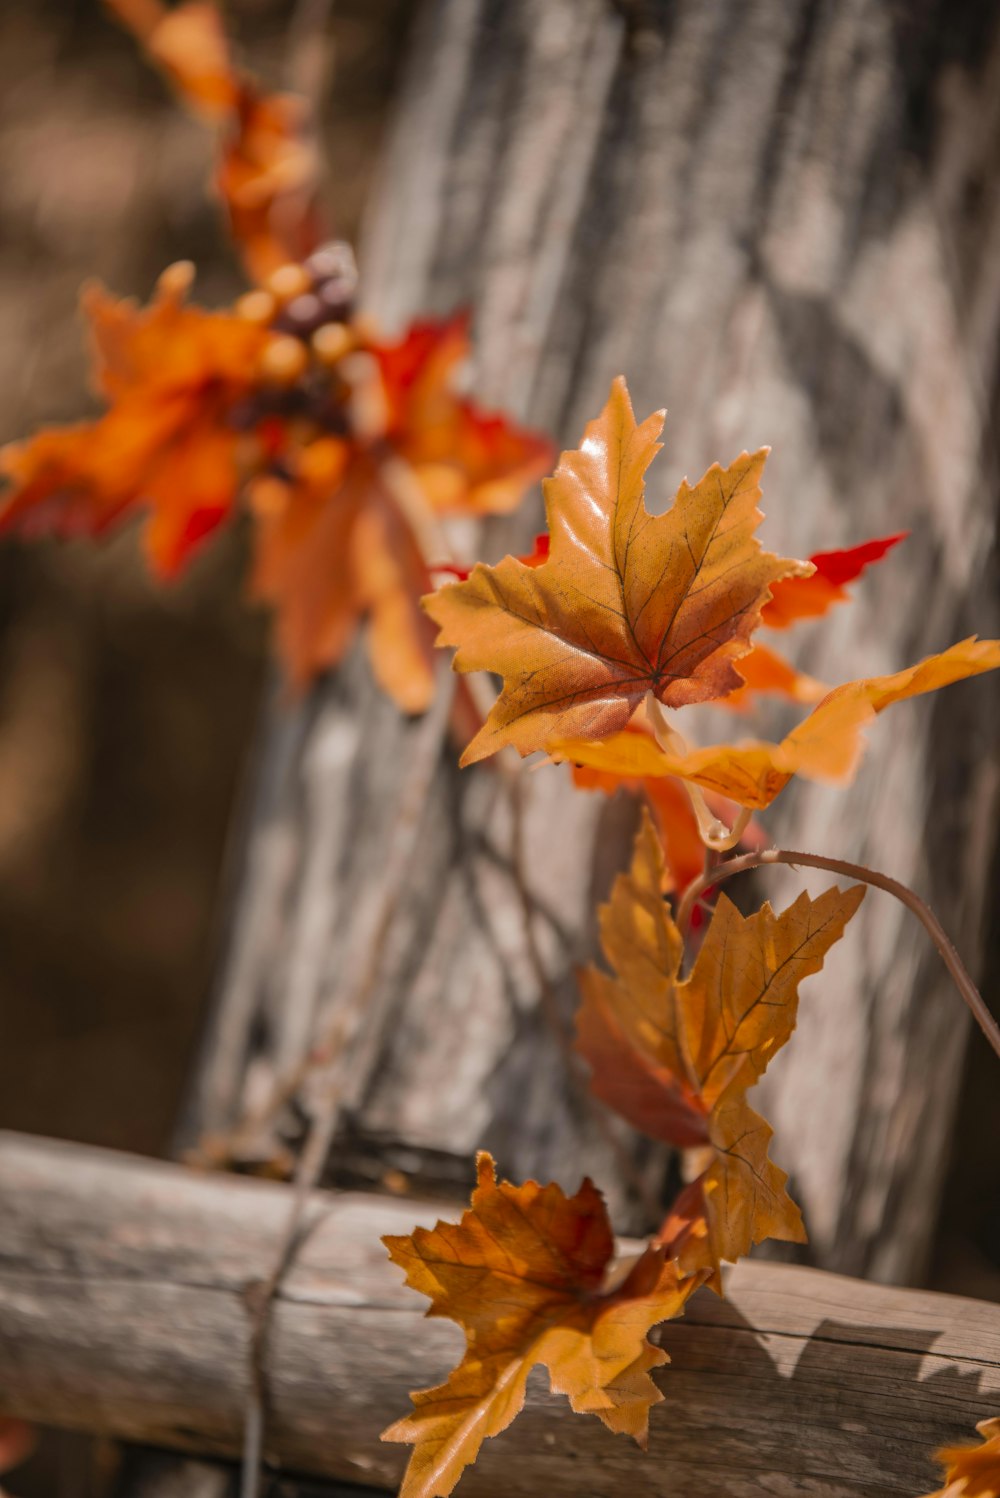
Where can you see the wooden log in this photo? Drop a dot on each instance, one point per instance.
(779, 220)
(125, 1295)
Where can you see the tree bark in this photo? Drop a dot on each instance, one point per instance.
(126, 1295)
(781, 221)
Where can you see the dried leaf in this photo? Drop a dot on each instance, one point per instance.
(676, 1056)
(189, 44)
(331, 549)
(627, 602)
(972, 1471)
(333, 455)
(303, 553)
(827, 745)
(523, 1274)
(267, 179)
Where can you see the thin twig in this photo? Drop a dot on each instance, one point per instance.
(902, 892)
(552, 1014)
(422, 763)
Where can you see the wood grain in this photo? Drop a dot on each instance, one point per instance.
(124, 1293)
(779, 220)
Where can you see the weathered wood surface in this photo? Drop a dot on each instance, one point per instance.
(124, 1294)
(780, 219)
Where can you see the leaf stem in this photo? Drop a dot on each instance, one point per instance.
(902, 892)
(713, 832)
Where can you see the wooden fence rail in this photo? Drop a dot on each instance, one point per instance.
(125, 1294)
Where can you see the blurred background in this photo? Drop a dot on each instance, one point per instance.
(128, 713)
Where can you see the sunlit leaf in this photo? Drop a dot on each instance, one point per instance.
(524, 1275)
(627, 602)
(826, 746)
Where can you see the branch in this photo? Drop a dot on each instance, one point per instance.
(110, 1264)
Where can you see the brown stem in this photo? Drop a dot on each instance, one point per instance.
(956, 967)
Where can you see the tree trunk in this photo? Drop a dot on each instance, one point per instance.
(781, 221)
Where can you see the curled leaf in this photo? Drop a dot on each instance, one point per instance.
(524, 1274)
(627, 602)
(765, 673)
(676, 1056)
(826, 746)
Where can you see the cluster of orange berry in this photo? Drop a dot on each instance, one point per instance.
(310, 305)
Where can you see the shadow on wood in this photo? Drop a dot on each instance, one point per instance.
(125, 1288)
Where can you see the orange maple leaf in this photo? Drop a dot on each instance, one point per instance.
(268, 167)
(676, 1056)
(524, 1275)
(972, 1471)
(333, 453)
(796, 598)
(175, 376)
(626, 603)
(336, 538)
(827, 745)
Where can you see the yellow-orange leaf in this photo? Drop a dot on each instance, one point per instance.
(627, 602)
(189, 44)
(972, 1471)
(523, 1275)
(676, 1056)
(825, 746)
